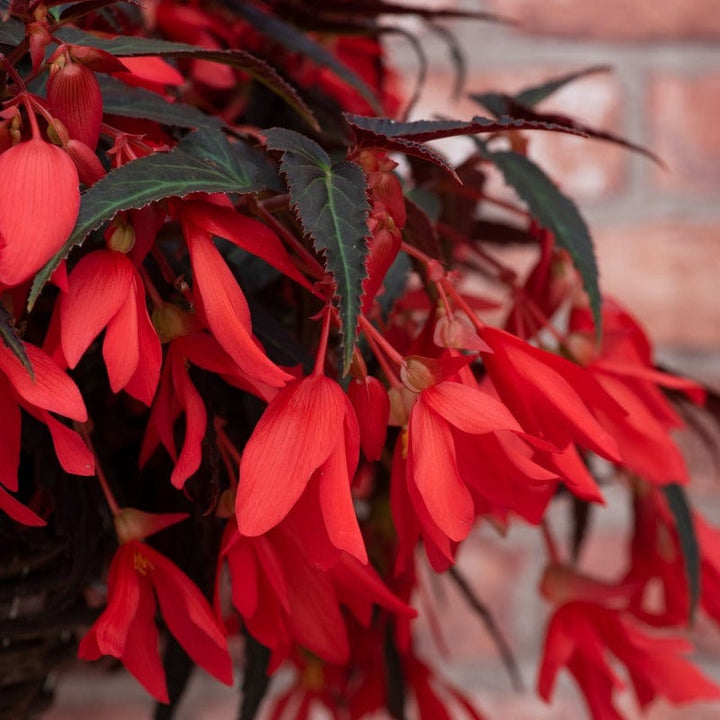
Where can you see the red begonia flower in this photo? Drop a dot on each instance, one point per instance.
(580, 635)
(309, 430)
(624, 368)
(105, 291)
(284, 598)
(126, 629)
(552, 398)
(39, 181)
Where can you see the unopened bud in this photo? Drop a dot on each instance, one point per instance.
(120, 235)
(171, 322)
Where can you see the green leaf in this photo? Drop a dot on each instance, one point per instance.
(136, 102)
(678, 504)
(295, 40)
(372, 130)
(12, 32)
(534, 95)
(203, 162)
(10, 339)
(502, 104)
(131, 46)
(332, 206)
(558, 213)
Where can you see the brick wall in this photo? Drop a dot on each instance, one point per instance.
(656, 229)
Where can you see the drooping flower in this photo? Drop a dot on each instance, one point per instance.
(39, 182)
(307, 441)
(552, 398)
(461, 455)
(581, 634)
(48, 390)
(624, 368)
(105, 291)
(285, 599)
(126, 629)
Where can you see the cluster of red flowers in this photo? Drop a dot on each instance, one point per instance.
(445, 420)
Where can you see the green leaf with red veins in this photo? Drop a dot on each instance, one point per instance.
(331, 203)
(556, 212)
(205, 161)
(678, 504)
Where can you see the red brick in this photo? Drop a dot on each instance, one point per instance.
(586, 169)
(615, 19)
(685, 132)
(667, 274)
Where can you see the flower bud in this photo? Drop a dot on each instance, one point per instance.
(171, 322)
(39, 182)
(120, 235)
(74, 96)
(88, 165)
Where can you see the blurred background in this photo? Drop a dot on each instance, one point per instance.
(657, 234)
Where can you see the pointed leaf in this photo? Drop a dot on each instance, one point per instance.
(9, 336)
(501, 104)
(205, 161)
(12, 32)
(558, 213)
(332, 206)
(136, 102)
(534, 95)
(370, 130)
(678, 504)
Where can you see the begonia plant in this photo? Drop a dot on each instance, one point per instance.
(250, 385)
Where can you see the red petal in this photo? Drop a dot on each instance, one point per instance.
(469, 409)
(195, 424)
(120, 346)
(40, 181)
(51, 389)
(435, 473)
(99, 287)
(149, 70)
(226, 310)
(372, 407)
(125, 589)
(293, 438)
(337, 505)
(10, 438)
(17, 511)
(74, 455)
(315, 620)
(143, 384)
(246, 233)
(189, 617)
